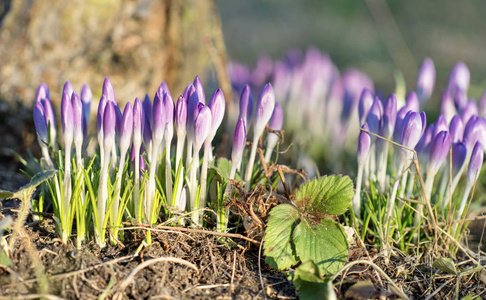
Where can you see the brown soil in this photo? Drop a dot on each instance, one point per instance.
(223, 272)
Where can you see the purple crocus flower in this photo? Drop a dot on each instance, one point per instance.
(353, 82)
(459, 78)
(239, 141)
(365, 102)
(412, 102)
(158, 119)
(181, 116)
(475, 163)
(264, 109)
(469, 110)
(217, 105)
(364, 144)
(389, 116)
(475, 131)
(86, 98)
(126, 127)
(68, 89)
(50, 120)
(42, 92)
(412, 129)
(459, 154)
(40, 123)
(168, 106)
(439, 148)
(199, 89)
(192, 111)
(108, 90)
(147, 126)
(246, 105)
(67, 119)
(202, 126)
(109, 125)
(397, 133)
(456, 129)
(276, 121)
(78, 117)
(375, 117)
(425, 80)
(447, 106)
(164, 88)
(460, 100)
(423, 146)
(138, 122)
(119, 118)
(440, 125)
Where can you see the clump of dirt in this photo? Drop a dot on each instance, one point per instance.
(190, 266)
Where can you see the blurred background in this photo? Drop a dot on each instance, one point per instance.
(375, 36)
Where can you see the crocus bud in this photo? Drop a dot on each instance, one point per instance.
(458, 78)
(411, 130)
(202, 126)
(109, 125)
(412, 102)
(475, 131)
(147, 126)
(482, 105)
(375, 117)
(397, 133)
(42, 92)
(181, 116)
(475, 163)
(67, 119)
(50, 120)
(108, 90)
(264, 110)
(469, 110)
(168, 106)
(276, 121)
(440, 125)
(158, 119)
(217, 105)
(77, 120)
(246, 105)
(101, 110)
(447, 106)
(119, 118)
(126, 127)
(192, 110)
(389, 116)
(138, 122)
(68, 89)
(460, 100)
(364, 144)
(459, 154)
(239, 141)
(164, 88)
(199, 89)
(365, 102)
(439, 148)
(86, 98)
(423, 146)
(456, 129)
(425, 80)
(40, 123)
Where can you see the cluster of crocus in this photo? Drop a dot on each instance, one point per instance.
(103, 189)
(457, 136)
(320, 104)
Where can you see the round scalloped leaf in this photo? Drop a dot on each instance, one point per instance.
(279, 250)
(324, 243)
(329, 195)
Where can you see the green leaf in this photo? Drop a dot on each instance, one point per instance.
(279, 250)
(6, 194)
(223, 170)
(40, 178)
(445, 264)
(310, 285)
(4, 259)
(324, 243)
(328, 195)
